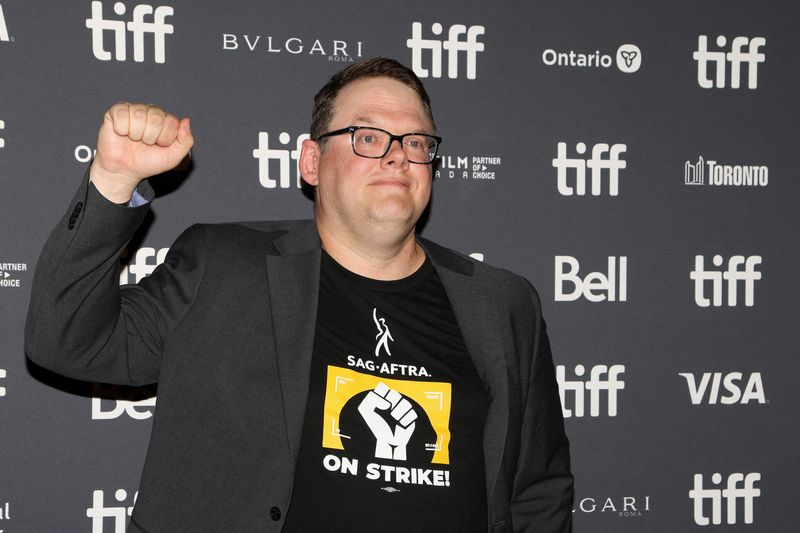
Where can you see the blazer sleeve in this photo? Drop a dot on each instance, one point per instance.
(80, 322)
(542, 493)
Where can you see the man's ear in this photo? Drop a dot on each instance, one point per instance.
(309, 162)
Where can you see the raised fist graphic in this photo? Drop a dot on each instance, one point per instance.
(390, 442)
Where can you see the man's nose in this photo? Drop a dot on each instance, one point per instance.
(396, 153)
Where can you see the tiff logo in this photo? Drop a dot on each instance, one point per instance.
(138, 27)
(596, 286)
(719, 59)
(3, 29)
(118, 515)
(142, 266)
(596, 164)
(731, 382)
(732, 493)
(453, 45)
(601, 378)
(130, 404)
(732, 276)
(282, 156)
(693, 174)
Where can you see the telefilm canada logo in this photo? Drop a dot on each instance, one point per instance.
(11, 274)
(604, 157)
(710, 172)
(145, 20)
(467, 167)
(719, 68)
(739, 494)
(5, 514)
(585, 389)
(113, 515)
(627, 58)
(427, 54)
(335, 50)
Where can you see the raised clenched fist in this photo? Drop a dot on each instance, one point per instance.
(137, 141)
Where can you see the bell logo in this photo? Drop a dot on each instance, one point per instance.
(731, 383)
(596, 164)
(138, 27)
(732, 276)
(596, 383)
(282, 156)
(3, 29)
(143, 264)
(733, 492)
(596, 286)
(453, 45)
(719, 59)
(118, 514)
(104, 409)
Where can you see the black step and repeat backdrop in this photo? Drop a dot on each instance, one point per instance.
(637, 161)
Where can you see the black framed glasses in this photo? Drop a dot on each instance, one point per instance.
(374, 143)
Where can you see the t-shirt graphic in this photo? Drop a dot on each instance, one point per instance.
(393, 431)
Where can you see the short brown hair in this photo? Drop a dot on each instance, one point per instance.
(376, 67)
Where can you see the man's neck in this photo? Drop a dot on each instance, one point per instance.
(384, 260)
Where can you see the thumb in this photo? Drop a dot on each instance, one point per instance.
(185, 139)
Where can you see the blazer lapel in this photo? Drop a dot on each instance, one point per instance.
(293, 279)
(477, 318)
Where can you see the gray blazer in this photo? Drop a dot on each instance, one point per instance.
(226, 326)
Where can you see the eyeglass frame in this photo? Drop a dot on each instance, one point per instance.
(392, 137)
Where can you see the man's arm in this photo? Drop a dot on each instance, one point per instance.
(542, 495)
(80, 323)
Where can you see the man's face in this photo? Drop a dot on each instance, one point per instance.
(357, 194)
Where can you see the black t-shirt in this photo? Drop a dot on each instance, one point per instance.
(393, 432)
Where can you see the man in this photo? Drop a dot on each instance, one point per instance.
(280, 406)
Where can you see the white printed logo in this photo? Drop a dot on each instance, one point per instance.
(746, 493)
(141, 266)
(128, 403)
(483, 167)
(596, 383)
(719, 61)
(265, 155)
(596, 164)
(624, 506)
(2, 127)
(731, 382)
(118, 515)
(138, 27)
(384, 335)
(3, 28)
(337, 50)
(596, 286)
(9, 274)
(2, 376)
(628, 59)
(390, 443)
(732, 276)
(725, 175)
(453, 45)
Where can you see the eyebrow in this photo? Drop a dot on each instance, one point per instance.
(369, 122)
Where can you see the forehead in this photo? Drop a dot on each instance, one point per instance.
(381, 101)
